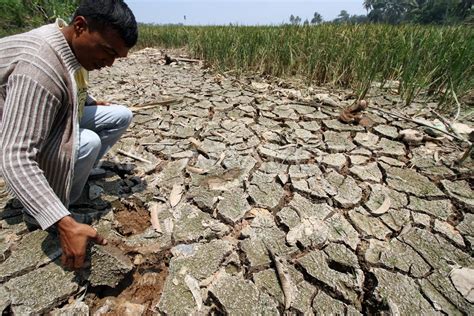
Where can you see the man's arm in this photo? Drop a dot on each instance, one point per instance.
(29, 112)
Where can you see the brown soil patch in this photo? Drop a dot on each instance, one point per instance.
(147, 287)
(132, 221)
(145, 290)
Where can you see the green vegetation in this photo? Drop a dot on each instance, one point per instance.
(435, 61)
(431, 59)
(446, 12)
(17, 15)
(420, 11)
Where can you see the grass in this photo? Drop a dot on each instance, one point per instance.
(431, 60)
(19, 15)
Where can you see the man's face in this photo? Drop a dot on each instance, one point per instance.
(95, 49)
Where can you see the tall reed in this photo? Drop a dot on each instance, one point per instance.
(433, 60)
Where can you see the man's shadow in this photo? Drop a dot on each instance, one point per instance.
(101, 193)
(118, 182)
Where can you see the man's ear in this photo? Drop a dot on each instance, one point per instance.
(80, 24)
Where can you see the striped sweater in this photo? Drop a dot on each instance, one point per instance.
(38, 120)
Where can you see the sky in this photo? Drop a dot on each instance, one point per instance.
(242, 12)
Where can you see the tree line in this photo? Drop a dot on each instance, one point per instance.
(404, 11)
(19, 14)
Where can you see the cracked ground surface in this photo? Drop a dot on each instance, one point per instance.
(234, 171)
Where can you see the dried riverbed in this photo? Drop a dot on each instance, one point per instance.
(233, 170)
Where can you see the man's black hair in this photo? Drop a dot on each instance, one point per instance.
(110, 13)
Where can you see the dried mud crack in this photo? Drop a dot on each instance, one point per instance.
(363, 222)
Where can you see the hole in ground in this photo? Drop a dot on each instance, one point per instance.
(341, 267)
(370, 305)
(142, 287)
(132, 220)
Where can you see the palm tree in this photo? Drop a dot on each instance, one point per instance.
(368, 4)
(388, 11)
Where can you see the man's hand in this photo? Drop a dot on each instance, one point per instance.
(74, 237)
(102, 103)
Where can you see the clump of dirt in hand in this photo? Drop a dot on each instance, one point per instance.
(132, 221)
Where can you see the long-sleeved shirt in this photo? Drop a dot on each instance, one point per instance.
(38, 120)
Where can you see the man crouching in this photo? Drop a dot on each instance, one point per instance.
(52, 133)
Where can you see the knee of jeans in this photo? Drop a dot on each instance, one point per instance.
(90, 141)
(125, 115)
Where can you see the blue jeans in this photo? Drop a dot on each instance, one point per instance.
(99, 129)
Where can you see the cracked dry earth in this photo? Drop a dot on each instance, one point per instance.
(233, 171)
